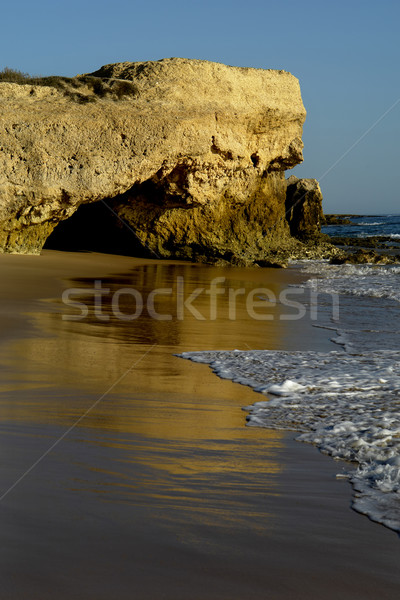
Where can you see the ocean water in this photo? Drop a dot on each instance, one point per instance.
(346, 402)
(367, 226)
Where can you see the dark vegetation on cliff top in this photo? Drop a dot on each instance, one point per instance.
(81, 89)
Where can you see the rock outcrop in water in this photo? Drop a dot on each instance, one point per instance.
(190, 161)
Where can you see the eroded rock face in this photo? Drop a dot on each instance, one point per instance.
(193, 162)
(304, 208)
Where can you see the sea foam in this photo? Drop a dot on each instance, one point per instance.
(346, 405)
(376, 281)
(374, 224)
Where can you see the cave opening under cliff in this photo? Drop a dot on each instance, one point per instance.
(95, 228)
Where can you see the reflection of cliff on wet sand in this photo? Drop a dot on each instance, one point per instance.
(67, 363)
(215, 317)
(91, 354)
(169, 436)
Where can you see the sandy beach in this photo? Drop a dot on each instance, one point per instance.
(129, 473)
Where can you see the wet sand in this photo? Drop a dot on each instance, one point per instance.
(160, 491)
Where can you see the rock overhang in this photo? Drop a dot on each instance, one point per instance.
(197, 152)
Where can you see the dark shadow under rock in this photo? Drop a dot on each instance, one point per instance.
(96, 228)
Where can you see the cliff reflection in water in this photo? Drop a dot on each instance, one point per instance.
(169, 433)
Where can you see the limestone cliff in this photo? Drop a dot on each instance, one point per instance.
(192, 162)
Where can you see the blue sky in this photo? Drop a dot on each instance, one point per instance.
(345, 54)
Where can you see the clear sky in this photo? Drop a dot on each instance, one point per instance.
(346, 55)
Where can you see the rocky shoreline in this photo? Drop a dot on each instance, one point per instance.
(339, 219)
(374, 249)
